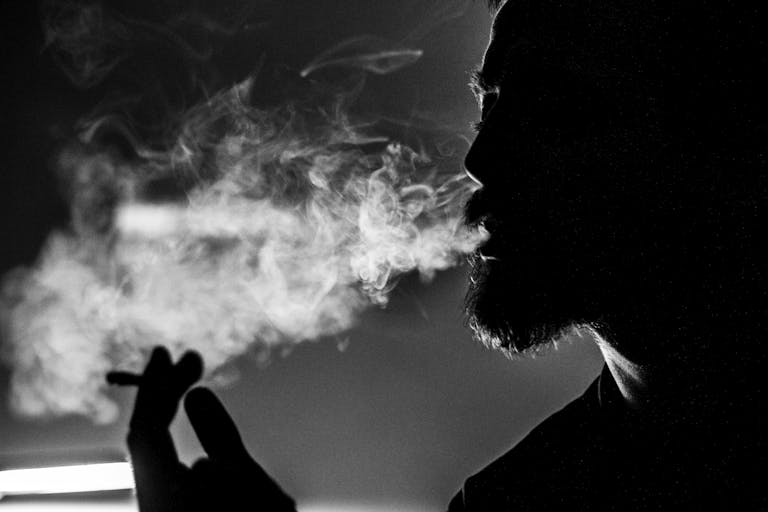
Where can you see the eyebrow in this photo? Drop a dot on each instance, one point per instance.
(478, 82)
(487, 78)
(497, 62)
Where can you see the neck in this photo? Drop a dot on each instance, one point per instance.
(631, 378)
(684, 373)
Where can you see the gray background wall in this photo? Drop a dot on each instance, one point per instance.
(408, 405)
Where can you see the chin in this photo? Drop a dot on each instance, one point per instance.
(516, 307)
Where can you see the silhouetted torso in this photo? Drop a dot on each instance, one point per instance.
(595, 454)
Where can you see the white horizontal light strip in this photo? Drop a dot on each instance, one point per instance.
(64, 506)
(66, 479)
(364, 507)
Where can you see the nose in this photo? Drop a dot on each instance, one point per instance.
(476, 158)
(469, 173)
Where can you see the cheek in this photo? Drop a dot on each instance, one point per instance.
(609, 171)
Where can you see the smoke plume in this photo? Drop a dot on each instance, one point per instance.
(368, 53)
(296, 221)
(244, 228)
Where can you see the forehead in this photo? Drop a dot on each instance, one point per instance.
(510, 18)
(503, 41)
(581, 36)
(505, 37)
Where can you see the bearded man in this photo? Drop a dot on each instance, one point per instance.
(622, 158)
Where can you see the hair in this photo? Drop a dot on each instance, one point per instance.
(494, 5)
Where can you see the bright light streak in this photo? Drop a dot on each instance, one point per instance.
(362, 507)
(153, 221)
(67, 479)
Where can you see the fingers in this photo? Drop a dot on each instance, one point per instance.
(162, 385)
(187, 371)
(214, 426)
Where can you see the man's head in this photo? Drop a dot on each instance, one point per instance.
(621, 151)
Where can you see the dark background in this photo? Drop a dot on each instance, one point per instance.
(408, 405)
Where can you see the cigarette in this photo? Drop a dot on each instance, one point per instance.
(120, 378)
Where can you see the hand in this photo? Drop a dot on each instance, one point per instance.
(228, 479)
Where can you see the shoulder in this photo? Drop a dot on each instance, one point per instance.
(551, 462)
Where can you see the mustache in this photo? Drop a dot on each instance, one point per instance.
(476, 209)
(487, 208)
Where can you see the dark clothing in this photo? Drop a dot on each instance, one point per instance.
(596, 454)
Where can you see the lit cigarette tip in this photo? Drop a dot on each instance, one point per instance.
(119, 378)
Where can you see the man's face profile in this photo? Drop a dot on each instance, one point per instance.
(591, 193)
(544, 194)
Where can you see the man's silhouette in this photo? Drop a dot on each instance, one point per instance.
(622, 153)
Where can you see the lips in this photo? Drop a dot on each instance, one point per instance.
(475, 211)
(491, 209)
(490, 250)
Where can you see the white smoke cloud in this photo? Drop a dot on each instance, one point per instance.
(296, 221)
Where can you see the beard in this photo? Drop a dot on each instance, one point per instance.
(505, 312)
(531, 283)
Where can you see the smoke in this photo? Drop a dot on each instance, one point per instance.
(89, 42)
(369, 53)
(243, 228)
(438, 12)
(296, 221)
(380, 56)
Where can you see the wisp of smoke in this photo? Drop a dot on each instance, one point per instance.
(373, 54)
(285, 224)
